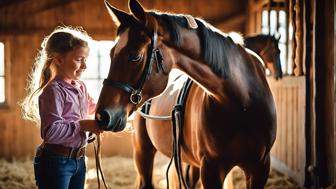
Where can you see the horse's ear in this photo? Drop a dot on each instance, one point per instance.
(137, 10)
(141, 15)
(276, 36)
(117, 15)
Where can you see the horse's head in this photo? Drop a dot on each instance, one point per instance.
(267, 47)
(271, 55)
(140, 64)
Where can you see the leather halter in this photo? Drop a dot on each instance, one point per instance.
(135, 92)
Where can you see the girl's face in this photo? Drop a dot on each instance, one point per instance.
(73, 64)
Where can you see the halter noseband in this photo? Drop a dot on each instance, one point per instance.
(135, 92)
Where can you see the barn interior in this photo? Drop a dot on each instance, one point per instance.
(304, 150)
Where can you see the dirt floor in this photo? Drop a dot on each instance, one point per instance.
(119, 173)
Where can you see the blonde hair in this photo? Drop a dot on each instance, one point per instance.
(61, 41)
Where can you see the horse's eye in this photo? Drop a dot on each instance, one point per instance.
(135, 58)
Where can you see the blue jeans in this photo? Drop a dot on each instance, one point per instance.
(59, 172)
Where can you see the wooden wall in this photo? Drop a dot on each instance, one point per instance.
(288, 152)
(18, 137)
(305, 144)
(23, 24)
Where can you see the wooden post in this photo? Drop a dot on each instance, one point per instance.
(294, 42)
(277, 19)
(298, 8)
(287, 34)
(269, 16)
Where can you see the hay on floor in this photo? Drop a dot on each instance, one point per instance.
(119, 172)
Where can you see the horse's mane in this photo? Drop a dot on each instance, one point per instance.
(215, 45)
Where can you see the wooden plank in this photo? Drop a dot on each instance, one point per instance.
(288, 152)
(296, 127)
(277, 99)
(289, 126)
(2, 136)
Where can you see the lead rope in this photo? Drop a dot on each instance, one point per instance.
(99, 171)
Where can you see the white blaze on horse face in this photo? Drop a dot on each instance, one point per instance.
(122, 42)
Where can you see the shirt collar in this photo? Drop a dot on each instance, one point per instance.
(66, 84)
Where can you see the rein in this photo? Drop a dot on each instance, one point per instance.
(135, 92)
(177, 133)
(177, 118)
(97, 153)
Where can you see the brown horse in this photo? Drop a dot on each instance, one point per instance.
(230, 116)
(266, 46)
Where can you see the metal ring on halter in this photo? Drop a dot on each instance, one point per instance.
(136, 97)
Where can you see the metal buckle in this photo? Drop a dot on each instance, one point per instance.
(136, 97)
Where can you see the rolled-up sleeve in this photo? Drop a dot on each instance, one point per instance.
(54, 128)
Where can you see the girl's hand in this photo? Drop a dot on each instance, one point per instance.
(90, 126)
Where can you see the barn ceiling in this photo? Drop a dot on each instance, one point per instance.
(5, 3)
(30, 15)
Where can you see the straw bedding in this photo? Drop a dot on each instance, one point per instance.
(119, 172)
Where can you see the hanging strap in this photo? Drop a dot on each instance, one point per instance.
(177, 133)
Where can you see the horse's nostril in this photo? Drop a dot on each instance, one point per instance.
(104, 119)
(111, 120)
(98, 117)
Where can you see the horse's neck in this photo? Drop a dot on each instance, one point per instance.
(190, 46)
(215, 85)
(201, 73)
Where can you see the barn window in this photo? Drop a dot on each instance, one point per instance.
(98, 65)
(2, 74)
(274, 22)
(281, 18)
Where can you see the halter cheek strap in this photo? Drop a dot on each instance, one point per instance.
(153, 54)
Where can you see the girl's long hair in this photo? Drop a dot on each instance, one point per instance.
(61, 41)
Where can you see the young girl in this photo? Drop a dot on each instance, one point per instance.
(60, 103)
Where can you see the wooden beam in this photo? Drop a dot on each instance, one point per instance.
(5, 3)
(46, 5)
(234, 18)
(229, 24)
(94, 32)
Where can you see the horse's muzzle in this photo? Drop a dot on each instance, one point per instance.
(111, 120)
